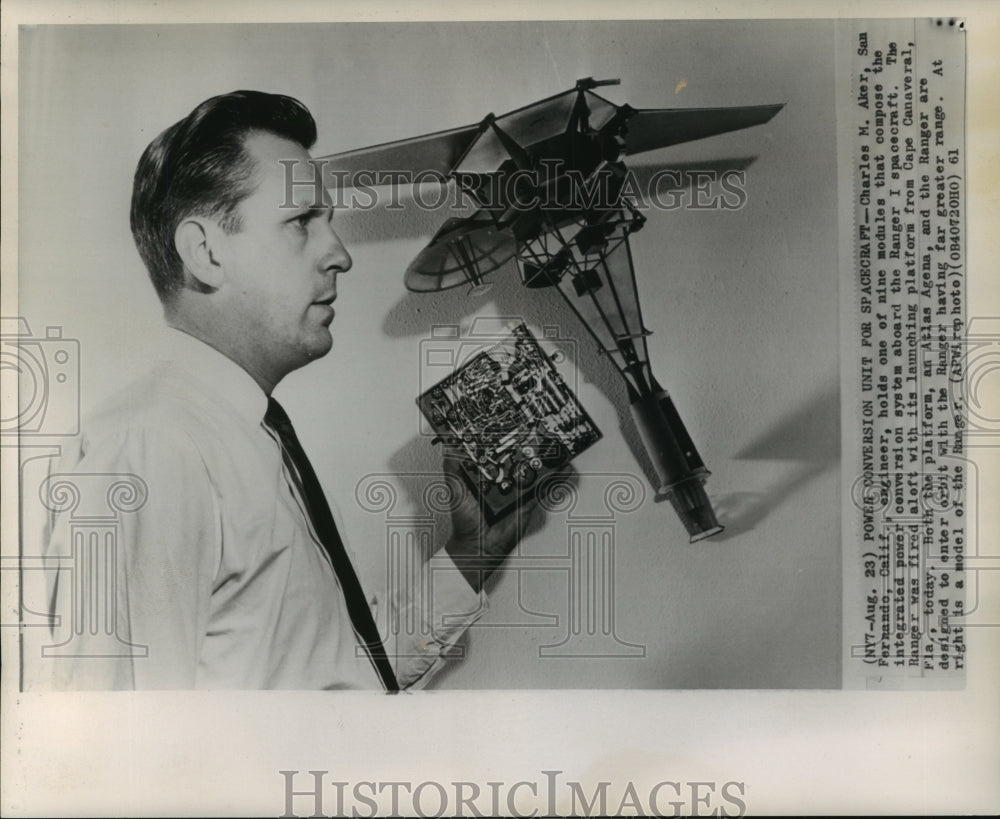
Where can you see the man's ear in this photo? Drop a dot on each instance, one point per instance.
(194, 239)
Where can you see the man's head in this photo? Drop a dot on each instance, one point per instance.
(231, 261)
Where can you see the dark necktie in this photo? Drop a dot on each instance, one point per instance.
(318, 510)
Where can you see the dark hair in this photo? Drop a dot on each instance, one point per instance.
(199, 167)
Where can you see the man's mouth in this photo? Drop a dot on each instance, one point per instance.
(327, 305)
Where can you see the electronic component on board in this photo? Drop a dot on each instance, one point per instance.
(513, 418)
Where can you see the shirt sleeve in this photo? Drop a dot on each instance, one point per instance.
(136, 534)
(426, 616)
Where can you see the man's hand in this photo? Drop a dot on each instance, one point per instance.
(476, 547)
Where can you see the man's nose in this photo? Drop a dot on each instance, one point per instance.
(336, 259)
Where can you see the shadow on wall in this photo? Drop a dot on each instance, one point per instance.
(809, 437)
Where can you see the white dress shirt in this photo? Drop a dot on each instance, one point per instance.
(218, 579)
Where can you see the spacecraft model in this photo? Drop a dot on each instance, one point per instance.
(550, 184)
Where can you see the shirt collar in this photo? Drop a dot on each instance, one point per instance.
(216, 372)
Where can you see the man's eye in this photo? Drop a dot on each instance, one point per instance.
(300, 224)
(303, 220)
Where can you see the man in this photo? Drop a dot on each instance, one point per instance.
(232, 572)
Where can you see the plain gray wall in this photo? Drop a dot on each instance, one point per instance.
(742, 304)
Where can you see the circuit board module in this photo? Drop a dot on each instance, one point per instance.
(513, 418)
